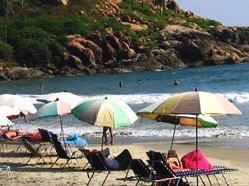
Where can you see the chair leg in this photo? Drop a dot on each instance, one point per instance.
(106, 178)
(209, 180)
(54, 162)
(7, 168)
(178, 181)
(66, 163)
(8, 172)
(90, 178)
(137, 182)
(126, 175)
(77, 162)
(225, 179)
(19, 147)
(217, 179)
(202, 180)
(85, 165)
(29, 160)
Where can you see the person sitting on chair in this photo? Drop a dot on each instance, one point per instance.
(120, 162)
(174, 161)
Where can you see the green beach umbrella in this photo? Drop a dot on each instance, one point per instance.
(105, 112)
(203, 121)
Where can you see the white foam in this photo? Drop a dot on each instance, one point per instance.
(135, 99)
(128, 98)
(242, 97)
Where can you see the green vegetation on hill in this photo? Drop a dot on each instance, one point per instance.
(37, 30)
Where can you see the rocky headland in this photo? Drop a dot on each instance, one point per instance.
(176, 44)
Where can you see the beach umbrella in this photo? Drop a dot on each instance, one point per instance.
(67, 97)
(204, 121)
(106, 112)
(196, 103)
(9, 112)
(5, 122)
(55, 108)
(18, 102)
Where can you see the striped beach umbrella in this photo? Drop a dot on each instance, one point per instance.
(107, 112)
(196, 103)
(52, 109)
(203, 121)
(55, 108)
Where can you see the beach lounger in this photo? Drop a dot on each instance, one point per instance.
(35, 151)
(144, 173)
(7, 168)
(62, 153)
(45, 135)
(164, 169)
(99, 165)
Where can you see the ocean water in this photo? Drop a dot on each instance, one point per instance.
(141, 89)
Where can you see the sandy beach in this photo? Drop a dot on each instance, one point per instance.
(41, 174)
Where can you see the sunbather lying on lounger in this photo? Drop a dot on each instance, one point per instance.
(16, 135)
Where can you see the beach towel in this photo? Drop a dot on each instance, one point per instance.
(189, 161)
(72, 137)
(75, 140)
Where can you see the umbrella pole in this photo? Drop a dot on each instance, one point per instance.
(62, 133)
(196, 145)
(171, 146)
(25, 119)
(102, 142)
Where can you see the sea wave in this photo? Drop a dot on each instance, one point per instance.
(239, 132)
(242, 97)
(135, 99)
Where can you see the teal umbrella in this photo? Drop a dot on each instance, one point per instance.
(55, 108)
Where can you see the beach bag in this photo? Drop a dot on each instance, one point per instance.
(189, 161)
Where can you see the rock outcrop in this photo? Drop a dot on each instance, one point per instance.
(178, 45)
(17, 73)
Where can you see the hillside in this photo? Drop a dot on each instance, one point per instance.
(70, 37)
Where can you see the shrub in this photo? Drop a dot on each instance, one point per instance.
(33, 53)
(6, 51)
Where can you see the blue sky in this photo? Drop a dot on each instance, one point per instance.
(228, 12)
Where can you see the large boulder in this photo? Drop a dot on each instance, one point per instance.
(87, 51)
(17, 73)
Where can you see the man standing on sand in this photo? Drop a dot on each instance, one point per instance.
(105, 129)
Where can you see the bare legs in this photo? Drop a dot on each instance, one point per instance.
(105, 129)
